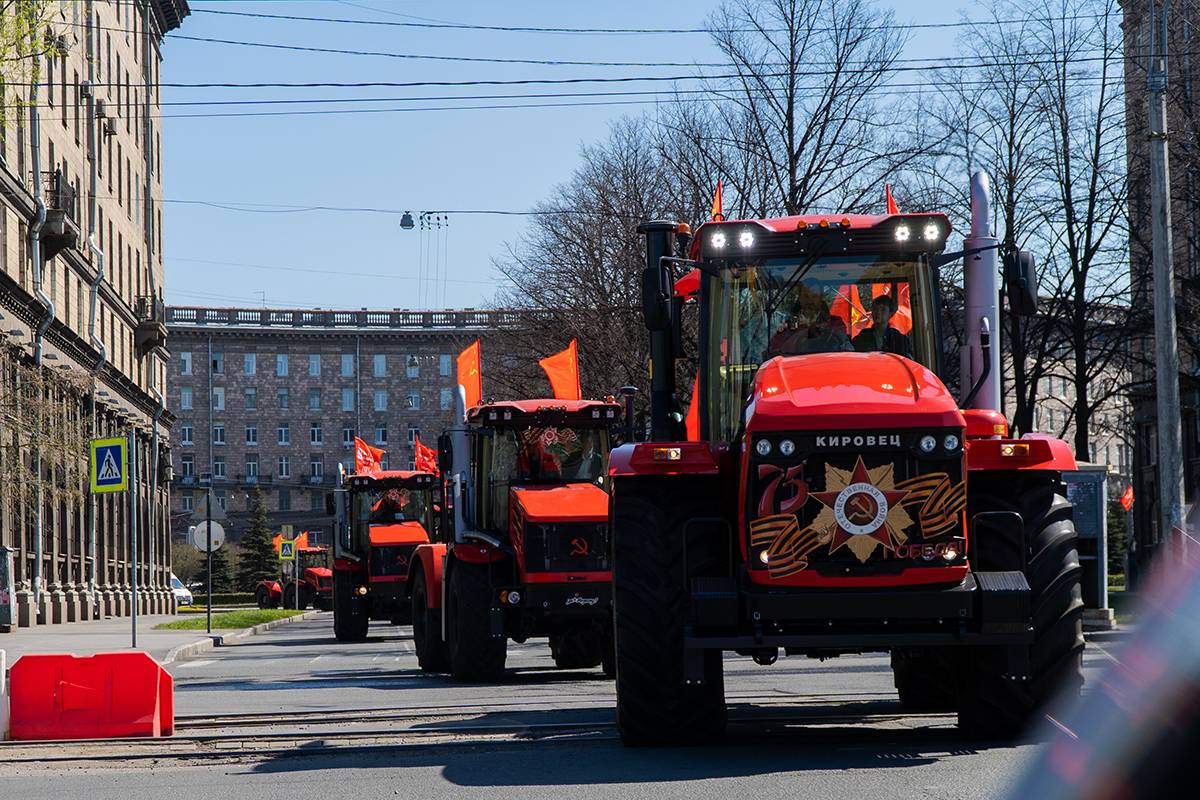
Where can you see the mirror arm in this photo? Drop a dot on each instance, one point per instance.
(950, 258)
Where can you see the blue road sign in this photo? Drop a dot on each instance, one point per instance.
(108, 466)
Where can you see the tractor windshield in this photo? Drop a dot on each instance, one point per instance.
(796, 306)
(395, 504)
(547, 454)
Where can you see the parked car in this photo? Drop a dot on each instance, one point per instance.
(183, 597)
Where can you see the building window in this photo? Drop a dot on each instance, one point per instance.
(185, 363)
(218, 398)
(315, 434)
(379, 362)
(189, 504)
(285, 467)
(218, 433)
(251, 466)
(252, 434)
(220, 496)
(381, 436)
(219, 467)
(347, 399)
(250, 363)
(284, 434)
(347, 365)
(414, 399)
(185, 398)
(314, 399)
(412, 367)
(283, 397)
(348, 437)
(187, 465)
(281, 365)
(185, 433)
(445, 399)
(285, 499)
(316, 467)
(218, 363)
(314, 365)
(444, 365)
(413, 433)
(251, 395)
(380, 400)
(316, 501)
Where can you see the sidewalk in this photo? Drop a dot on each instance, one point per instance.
(107, 635)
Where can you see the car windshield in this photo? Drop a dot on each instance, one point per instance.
(795, 307)
(548, 454)
(176, 583)
(394, 504)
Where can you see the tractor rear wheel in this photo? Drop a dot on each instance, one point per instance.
(475, 653)
(990, 704)
(264, 599)
(578, 648)
(432, 655)
(924, 678)
(650, 604)
(350, 617)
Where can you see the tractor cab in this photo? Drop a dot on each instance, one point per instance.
(381, 518)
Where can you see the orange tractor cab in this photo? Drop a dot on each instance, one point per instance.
(833, 495)
(380, 519)
(523, 549)
(315, 585)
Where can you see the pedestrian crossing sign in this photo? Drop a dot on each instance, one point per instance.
(287, 550)
(108, 466)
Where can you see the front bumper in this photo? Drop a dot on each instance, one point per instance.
(558, 599)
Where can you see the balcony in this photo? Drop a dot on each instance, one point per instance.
(62, 220)
(151, 331)
(255, 480)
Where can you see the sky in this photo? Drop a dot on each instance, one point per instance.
(243, 182)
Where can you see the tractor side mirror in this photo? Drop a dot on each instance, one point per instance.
(331, 504)
(445, 454)
(1020, 274)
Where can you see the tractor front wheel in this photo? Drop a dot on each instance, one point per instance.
(432, 655)
(655, 706)
(577, 648)
(924, 678)
(264, 599)
(350, 618)
(476, 654)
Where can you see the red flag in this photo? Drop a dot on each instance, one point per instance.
(301, 541)
(424, 458)
(892, 208)
(367, 459)
(1127, 498)
(563, 371)
(718, 206)
(469, 375)
(691, 422)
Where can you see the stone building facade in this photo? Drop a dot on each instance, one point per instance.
(272, 399)
(82, 339)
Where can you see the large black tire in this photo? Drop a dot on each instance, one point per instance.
(924, 678)
(991, 705)
(650, 607)
(432, 655)
(578, 648)
(475, 654)
(264, 599)
(350, 618)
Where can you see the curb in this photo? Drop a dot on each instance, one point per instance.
(1115, 635)
(214, 640)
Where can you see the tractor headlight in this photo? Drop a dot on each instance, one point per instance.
(746, 239)
(927, 444)
(950, 442)
(718, 240)
(931, 232)
(762, 447)
(514, 597)
(903, 233)
(787, 447)
(362, 590)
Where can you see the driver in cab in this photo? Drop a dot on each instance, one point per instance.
(881, 337)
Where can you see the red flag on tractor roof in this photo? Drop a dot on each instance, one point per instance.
(718, 206)
(301, 541)
(1126, 499)
(424, 458)
(563, 371)
(367, 459)
(892, 208)
(469, 375)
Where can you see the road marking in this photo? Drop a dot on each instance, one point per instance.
(201, 663)
(318, 658)
(1105, 653)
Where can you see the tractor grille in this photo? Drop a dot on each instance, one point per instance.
(391, 560)
(856, 503)
(566, 546)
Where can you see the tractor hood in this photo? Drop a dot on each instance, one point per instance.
(836, 391)
(398, 533)
(318, 572)
(572, 502)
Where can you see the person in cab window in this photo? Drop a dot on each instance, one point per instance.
(829, 337)
(789, 339)
(881, 337)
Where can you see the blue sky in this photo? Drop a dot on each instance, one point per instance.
(416, 160)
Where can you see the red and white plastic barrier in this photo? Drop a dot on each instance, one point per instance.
(105, 696)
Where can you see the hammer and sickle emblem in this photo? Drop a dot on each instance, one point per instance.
(579, 547)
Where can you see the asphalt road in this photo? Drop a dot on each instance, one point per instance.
(799, 728)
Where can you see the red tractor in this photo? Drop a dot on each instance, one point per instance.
(380, 519)
(316, 582)
(834, 496)
(523, 550)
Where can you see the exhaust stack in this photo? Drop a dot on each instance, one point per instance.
(981, 282)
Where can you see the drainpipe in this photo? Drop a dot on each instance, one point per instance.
(35, 256)
(153, 529)
(94, 293)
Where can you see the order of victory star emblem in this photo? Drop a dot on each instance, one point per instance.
(862, 509)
